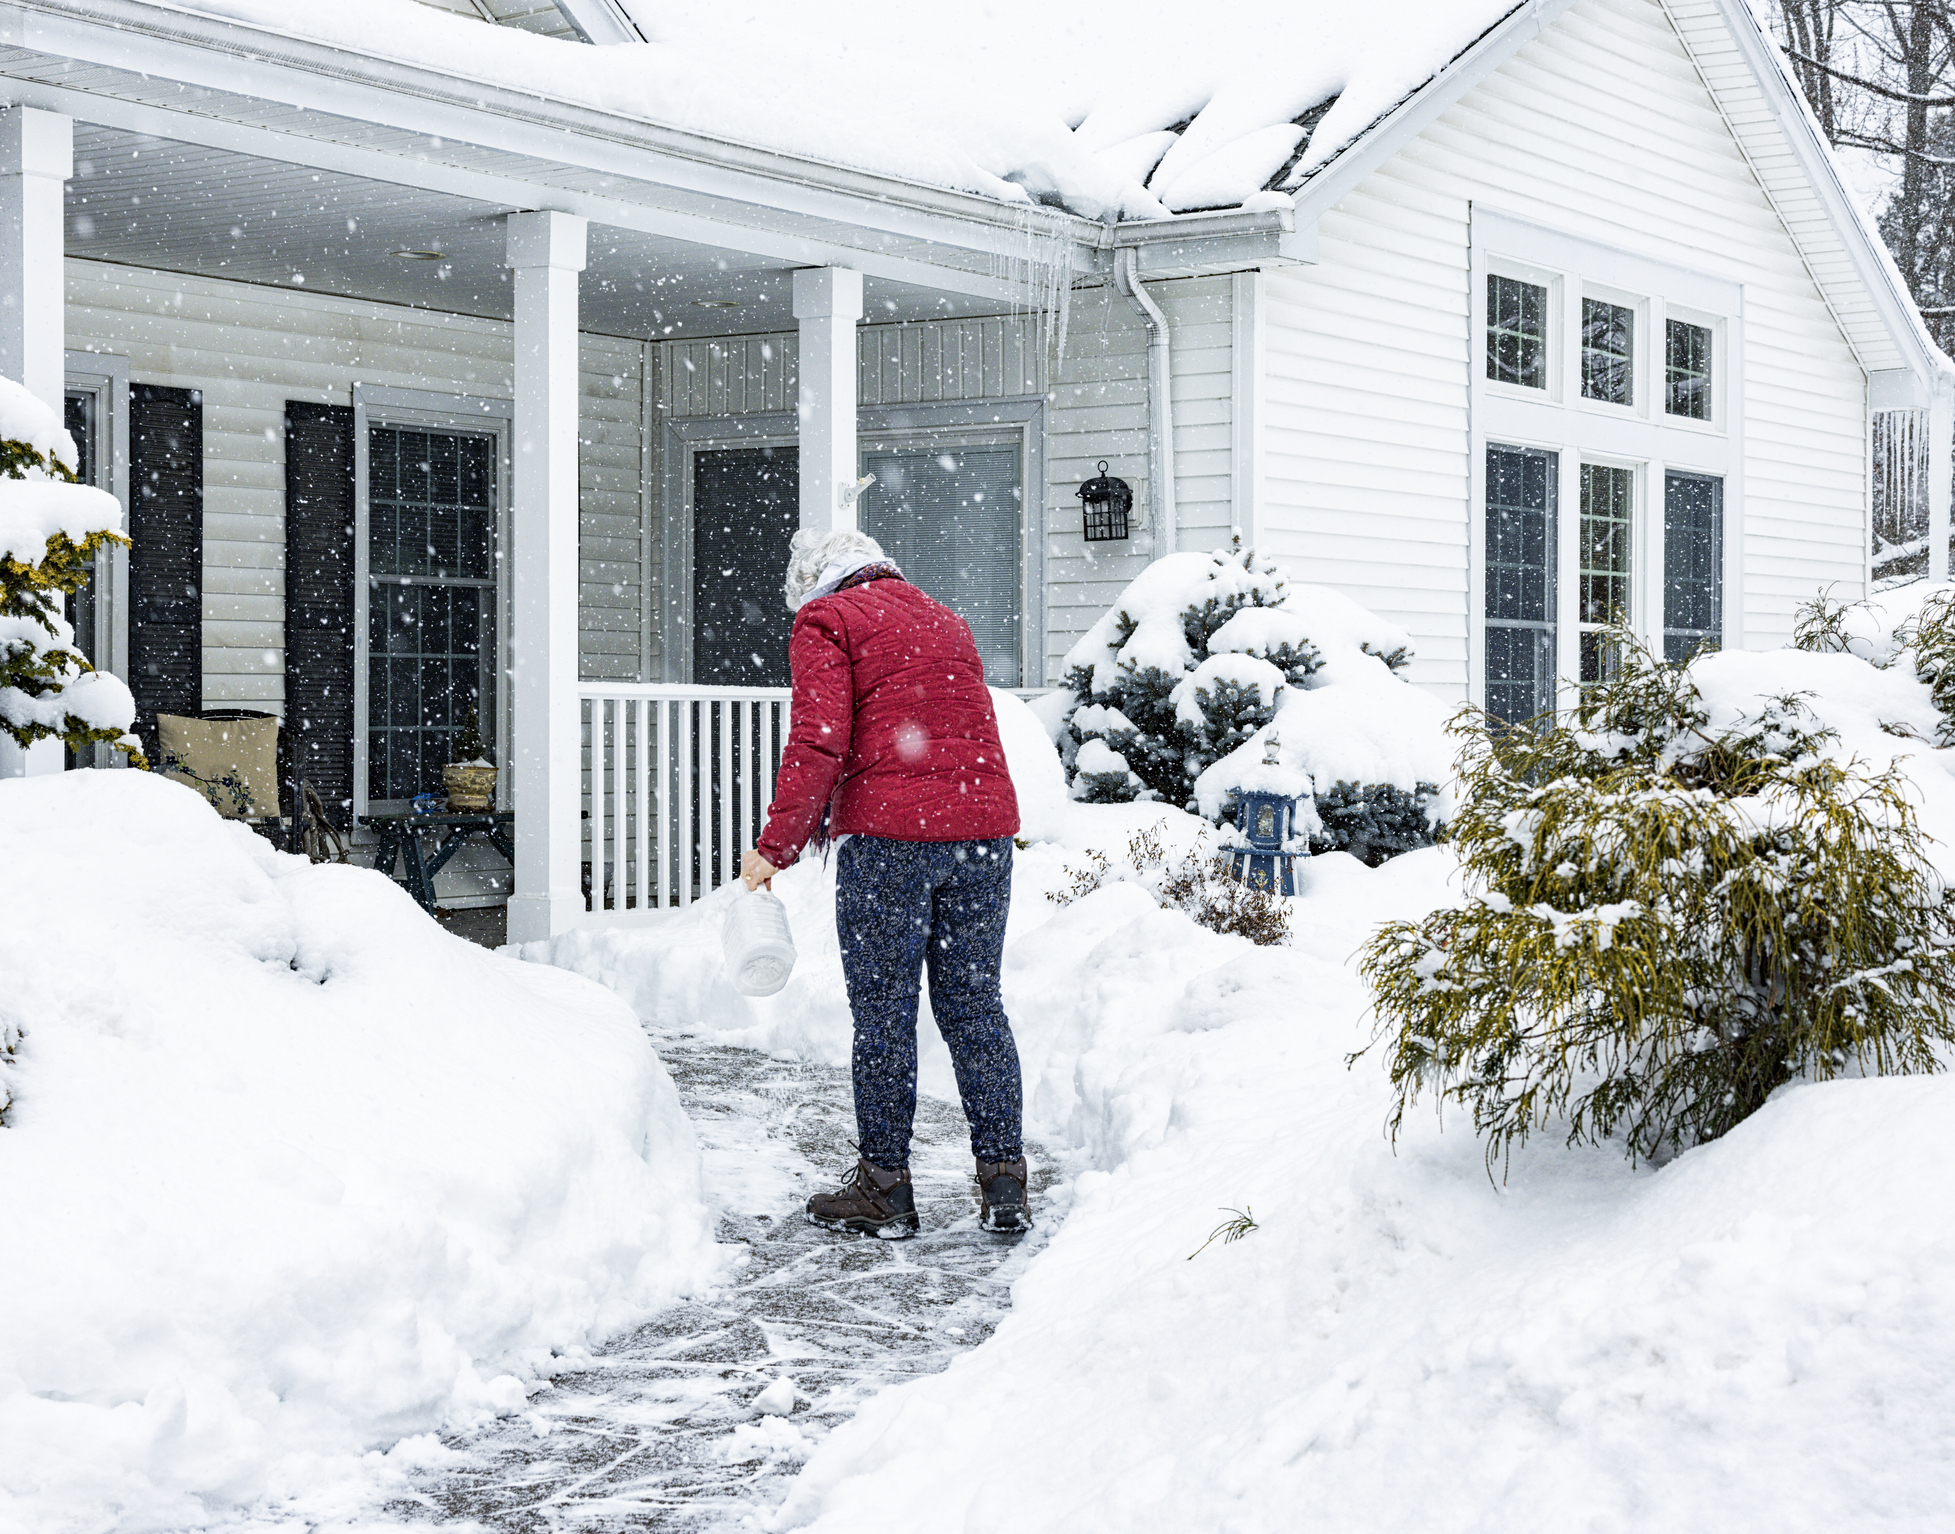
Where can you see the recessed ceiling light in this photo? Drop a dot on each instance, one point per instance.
(422, 255)
(716, 303)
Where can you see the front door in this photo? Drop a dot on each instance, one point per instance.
(746, 505)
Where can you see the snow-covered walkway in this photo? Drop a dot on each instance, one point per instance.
(685, 1423)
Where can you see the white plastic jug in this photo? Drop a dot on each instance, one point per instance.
(759, 947)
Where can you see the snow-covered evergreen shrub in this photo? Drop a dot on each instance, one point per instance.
(1176, 689)
(1931, 641)
(1375, 821)
(50, 530)
(1669, 922)
(1164, 698)
(1916, 624)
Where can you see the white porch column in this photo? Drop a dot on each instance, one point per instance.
(828, 303)
(1941, 427)
(37, 156)
(547, 252)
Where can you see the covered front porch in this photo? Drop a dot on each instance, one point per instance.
(422, 405)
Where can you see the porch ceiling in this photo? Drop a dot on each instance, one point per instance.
(178, 207)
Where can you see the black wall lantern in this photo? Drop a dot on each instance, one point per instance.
(1107, 502)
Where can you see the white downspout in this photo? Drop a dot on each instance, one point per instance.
(1160, 401)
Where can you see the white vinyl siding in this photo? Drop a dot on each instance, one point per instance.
(251, 348)
(1600, 127)
(611, 504)
(1098, 409)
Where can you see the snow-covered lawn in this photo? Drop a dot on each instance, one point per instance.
(1760, 1335)
(288, 1172)
(290, 1176)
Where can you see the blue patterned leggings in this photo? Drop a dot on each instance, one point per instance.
(898, 906)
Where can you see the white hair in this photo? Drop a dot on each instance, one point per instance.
(817, 559)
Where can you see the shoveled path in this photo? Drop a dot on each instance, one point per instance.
(685, 1424)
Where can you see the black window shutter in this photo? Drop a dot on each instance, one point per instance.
(319, 600)
(166, 564)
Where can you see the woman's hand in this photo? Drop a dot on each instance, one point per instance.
(757, 871)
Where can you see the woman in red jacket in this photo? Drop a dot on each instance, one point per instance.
(893, 750)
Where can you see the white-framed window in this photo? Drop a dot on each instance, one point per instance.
(1607, 418)
(431, 475)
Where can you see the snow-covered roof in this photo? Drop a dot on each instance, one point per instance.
(1114, 109)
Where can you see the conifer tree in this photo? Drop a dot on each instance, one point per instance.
(51, 529)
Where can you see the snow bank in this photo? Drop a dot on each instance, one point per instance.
(289, 1172)
(1400, 1343)
(863, 83)
(1036, 775)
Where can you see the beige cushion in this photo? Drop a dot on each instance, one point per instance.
(204, 752)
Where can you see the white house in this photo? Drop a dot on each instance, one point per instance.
(482, 353)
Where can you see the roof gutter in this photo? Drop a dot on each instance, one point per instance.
(1160, 400)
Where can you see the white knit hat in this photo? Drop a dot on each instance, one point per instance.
(818, 560)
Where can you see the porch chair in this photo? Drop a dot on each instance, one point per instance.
(234, 757)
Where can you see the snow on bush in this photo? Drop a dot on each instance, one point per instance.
(1912, 627)
(288, 1172)
(1179, 689)
(50, 531)
(1665, 920)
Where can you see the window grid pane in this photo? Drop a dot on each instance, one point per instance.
(1687, 371)
(430, 531)
(1607, 528)
(1517, 333)
(1608, 352)
(1520, 602)
(1693, 565)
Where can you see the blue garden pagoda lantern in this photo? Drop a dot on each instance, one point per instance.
(1269, 849)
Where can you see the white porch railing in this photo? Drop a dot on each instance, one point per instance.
(677, 780)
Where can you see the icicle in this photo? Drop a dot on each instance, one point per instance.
(1900, 491)
(1037, 268)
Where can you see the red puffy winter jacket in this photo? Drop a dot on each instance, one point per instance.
(892, 725)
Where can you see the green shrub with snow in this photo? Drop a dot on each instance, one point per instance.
(1177, 689)
(50, 531)
(1912, 625)
(1667, 921)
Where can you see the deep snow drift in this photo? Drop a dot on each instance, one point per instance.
(288, 1172)
(1758, 1336)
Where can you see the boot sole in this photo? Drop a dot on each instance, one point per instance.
(1007, 1222)
(884, 1230)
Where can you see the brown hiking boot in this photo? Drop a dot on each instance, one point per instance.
(877, 1202)
(1001, 1197)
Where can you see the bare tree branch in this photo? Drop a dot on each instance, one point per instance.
(1909, 97)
